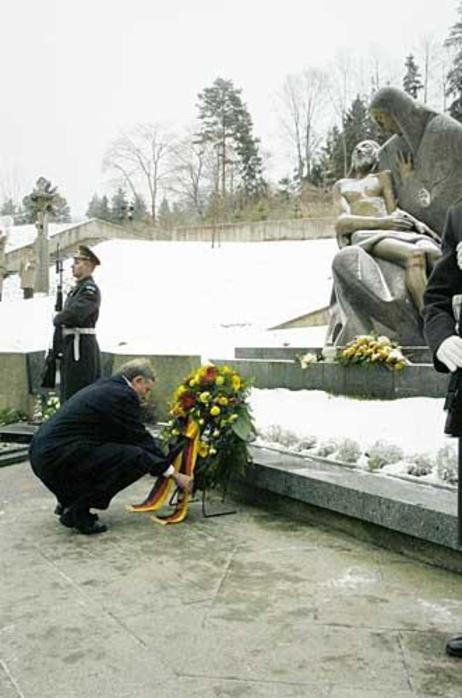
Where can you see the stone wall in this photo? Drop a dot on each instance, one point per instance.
(87, 233)
(261, 231)
(20, 377)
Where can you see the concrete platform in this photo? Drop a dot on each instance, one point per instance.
(251, 605)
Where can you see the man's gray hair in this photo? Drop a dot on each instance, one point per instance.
(137, 367)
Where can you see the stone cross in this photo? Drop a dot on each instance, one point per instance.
(43, 196)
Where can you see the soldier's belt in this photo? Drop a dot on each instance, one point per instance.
(76, 332)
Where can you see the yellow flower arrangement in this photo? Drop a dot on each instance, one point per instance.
(215, 399)
(373, 350)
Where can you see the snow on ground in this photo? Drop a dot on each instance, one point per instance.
(414, 424)
(185, 297)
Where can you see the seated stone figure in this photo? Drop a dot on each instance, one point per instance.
(380, 272)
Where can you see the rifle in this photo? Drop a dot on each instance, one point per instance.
(48, 378)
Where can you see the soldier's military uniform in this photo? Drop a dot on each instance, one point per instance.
(80, 362)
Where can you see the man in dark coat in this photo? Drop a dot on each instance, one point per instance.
(80, 363)
(96, 445)
(441, 313)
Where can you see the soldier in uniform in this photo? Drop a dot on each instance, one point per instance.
(96, 445)
(80, 362)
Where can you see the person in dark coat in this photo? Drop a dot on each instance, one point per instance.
(441, 314)
(96, 445)
(80, 362)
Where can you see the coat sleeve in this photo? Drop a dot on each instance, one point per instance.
(445, 282)
(79, 308)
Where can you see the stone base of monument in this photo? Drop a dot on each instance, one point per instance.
(415, 519)
(278, 367)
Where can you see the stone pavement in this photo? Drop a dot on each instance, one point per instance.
(250, 605)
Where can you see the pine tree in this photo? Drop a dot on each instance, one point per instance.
(119, 207)
(8, 208)
(99, 208)
(412, 83)
(94, 207)
(138, 210)
(454, 77)
(164, 216)
(227, 125)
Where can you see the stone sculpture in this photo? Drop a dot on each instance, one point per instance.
(387, 252)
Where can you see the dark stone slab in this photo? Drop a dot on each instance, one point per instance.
(19, 432)
(423, 511)
(369, 382)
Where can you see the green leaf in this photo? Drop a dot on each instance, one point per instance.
(243, 427)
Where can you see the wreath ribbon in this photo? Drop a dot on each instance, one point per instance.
(185, 462)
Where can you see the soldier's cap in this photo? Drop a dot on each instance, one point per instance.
(84, 252)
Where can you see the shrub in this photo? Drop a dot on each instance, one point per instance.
(420, 464)
(446, 464)
(381, 453)
(348, 451)
(327, 448)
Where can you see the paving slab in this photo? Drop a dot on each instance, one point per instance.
(251, 605)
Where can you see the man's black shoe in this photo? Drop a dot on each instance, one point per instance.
(91, 527)
(454, 646)
(67, 518)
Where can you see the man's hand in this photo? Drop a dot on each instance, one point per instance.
(450, 352)
(184, 482)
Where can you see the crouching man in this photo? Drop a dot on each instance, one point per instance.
(96, 445)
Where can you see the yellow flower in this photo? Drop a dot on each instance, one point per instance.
(219, 380)
(227, 370)
(215, 411)
(236, 382)
(216, 433)
(204, 397)
(180, 391)
(203, 449)
(222, 400)
(175, 432)
(193, 382)
(201, 421)
(212, 451)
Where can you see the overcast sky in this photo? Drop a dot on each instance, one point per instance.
(76, 72)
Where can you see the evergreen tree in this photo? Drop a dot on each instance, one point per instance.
(104, 209)
(8, 208)
(454, 77)
(119, 207)
(94, 207)
(138, 210)
(412, 83)
(227, 125)
(99, 208)
(164, 217)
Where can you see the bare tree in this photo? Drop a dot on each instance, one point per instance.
(140, 160)
(304, 101)
(193, 173)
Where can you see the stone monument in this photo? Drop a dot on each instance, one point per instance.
(390, 219)
(43, 197)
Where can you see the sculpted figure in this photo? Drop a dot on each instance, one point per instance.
(386, 253)
(423, 154)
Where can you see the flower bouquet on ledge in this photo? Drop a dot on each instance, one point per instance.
(210, 415)
(373, 349)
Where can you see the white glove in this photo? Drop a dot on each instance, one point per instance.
(459, 255)
(450, 352)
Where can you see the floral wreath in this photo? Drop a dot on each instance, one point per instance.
(211, 416)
